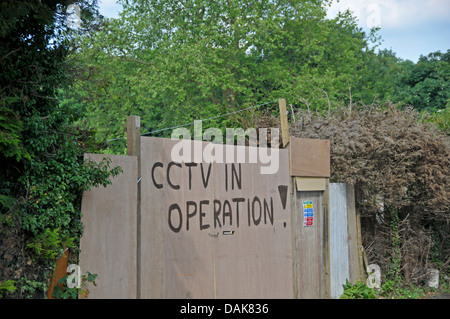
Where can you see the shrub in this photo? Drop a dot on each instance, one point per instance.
(357, 291)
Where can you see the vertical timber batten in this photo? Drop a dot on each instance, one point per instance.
(134, 149)
(326, 240)
(284, 123)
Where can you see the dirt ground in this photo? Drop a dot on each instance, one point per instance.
(16, 263)
(443, 296)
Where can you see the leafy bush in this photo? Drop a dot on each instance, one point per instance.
(49, 244)
(357, 291)
(42, 171)
(440, 118)
(7, 286)
(62, 291)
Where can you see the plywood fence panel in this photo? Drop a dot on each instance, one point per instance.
(200, 237)
(308, 245)
(209, 230)
(344, 241)
(339, 252)
(153, 261)
(254, 259)
(176, 262)
(108, 244)
(310, 157)
(189, 266)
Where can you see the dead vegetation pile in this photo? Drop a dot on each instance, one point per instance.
(401, 171)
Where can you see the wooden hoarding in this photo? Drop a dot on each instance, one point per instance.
(192, 228)
(213, 230)
(310, 157)
(308, 230)
(343, 238)
(108, 244)
(338, 239)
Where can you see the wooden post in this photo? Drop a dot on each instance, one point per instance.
(353, 235)
(284, 123)
(285, 141)
(134, 135)
(326, 240)
(361, 253)
(134, 149)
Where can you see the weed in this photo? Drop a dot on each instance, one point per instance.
(63, 291)
(28, 288)
(357, 291)
(7, 287)
(49, 244)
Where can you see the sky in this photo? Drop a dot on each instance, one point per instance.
(410, 28)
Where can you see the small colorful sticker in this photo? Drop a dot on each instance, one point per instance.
(308, 213)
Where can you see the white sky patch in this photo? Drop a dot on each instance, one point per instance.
(394, 13)
(109, 8)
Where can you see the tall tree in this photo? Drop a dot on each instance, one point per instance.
(428, 82)
(381, 78)
(174, 61)
(42, 173)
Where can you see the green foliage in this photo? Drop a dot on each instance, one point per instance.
(42, 170)
(62, 291)
(388, 286)
(357, 291)
(49, 244)
(29, 288)
(391, 290)
(10, 133)
(201, 59)
(7, 286)
(441, 118)
(55, 189)
(6, 219)
(380, 79)
(427, 82)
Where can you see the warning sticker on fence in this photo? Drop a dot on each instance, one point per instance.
(308, 213)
